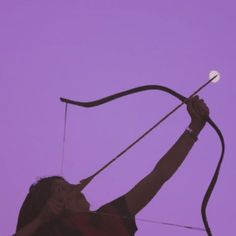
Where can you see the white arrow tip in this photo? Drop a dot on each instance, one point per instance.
(214, 73)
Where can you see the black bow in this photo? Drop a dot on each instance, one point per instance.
(183, 100)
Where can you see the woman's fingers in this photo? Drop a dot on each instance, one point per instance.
(52, 209)
(57, 206)
(197, 108)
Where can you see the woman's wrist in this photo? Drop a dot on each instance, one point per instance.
(30, 228)
(196, 126)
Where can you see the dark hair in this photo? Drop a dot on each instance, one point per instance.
(35, 200)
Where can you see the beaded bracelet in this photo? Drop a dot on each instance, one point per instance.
(192, 134)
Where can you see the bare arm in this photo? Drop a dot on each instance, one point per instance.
(138, 197)
(51, 210)
(30, 229)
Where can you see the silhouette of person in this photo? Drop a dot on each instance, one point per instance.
(54, 207)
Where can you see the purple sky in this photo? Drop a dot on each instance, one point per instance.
(85, 50)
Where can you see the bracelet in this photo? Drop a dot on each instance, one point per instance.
(192, 134)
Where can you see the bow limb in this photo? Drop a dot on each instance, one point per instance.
(123, 94)
(214, 178)
(183, 99)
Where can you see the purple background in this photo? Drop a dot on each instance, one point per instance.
(85, 50)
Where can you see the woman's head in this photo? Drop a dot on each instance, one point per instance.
(42, 190)
(36, 199)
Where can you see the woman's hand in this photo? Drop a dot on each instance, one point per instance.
(198, 111)
(53, 209)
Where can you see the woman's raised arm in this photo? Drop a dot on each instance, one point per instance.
(143, 192)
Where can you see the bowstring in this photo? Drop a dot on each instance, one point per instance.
(64, 139)
(148, 221)
(153, 221)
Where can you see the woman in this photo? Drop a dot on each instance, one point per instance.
(57, 208)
